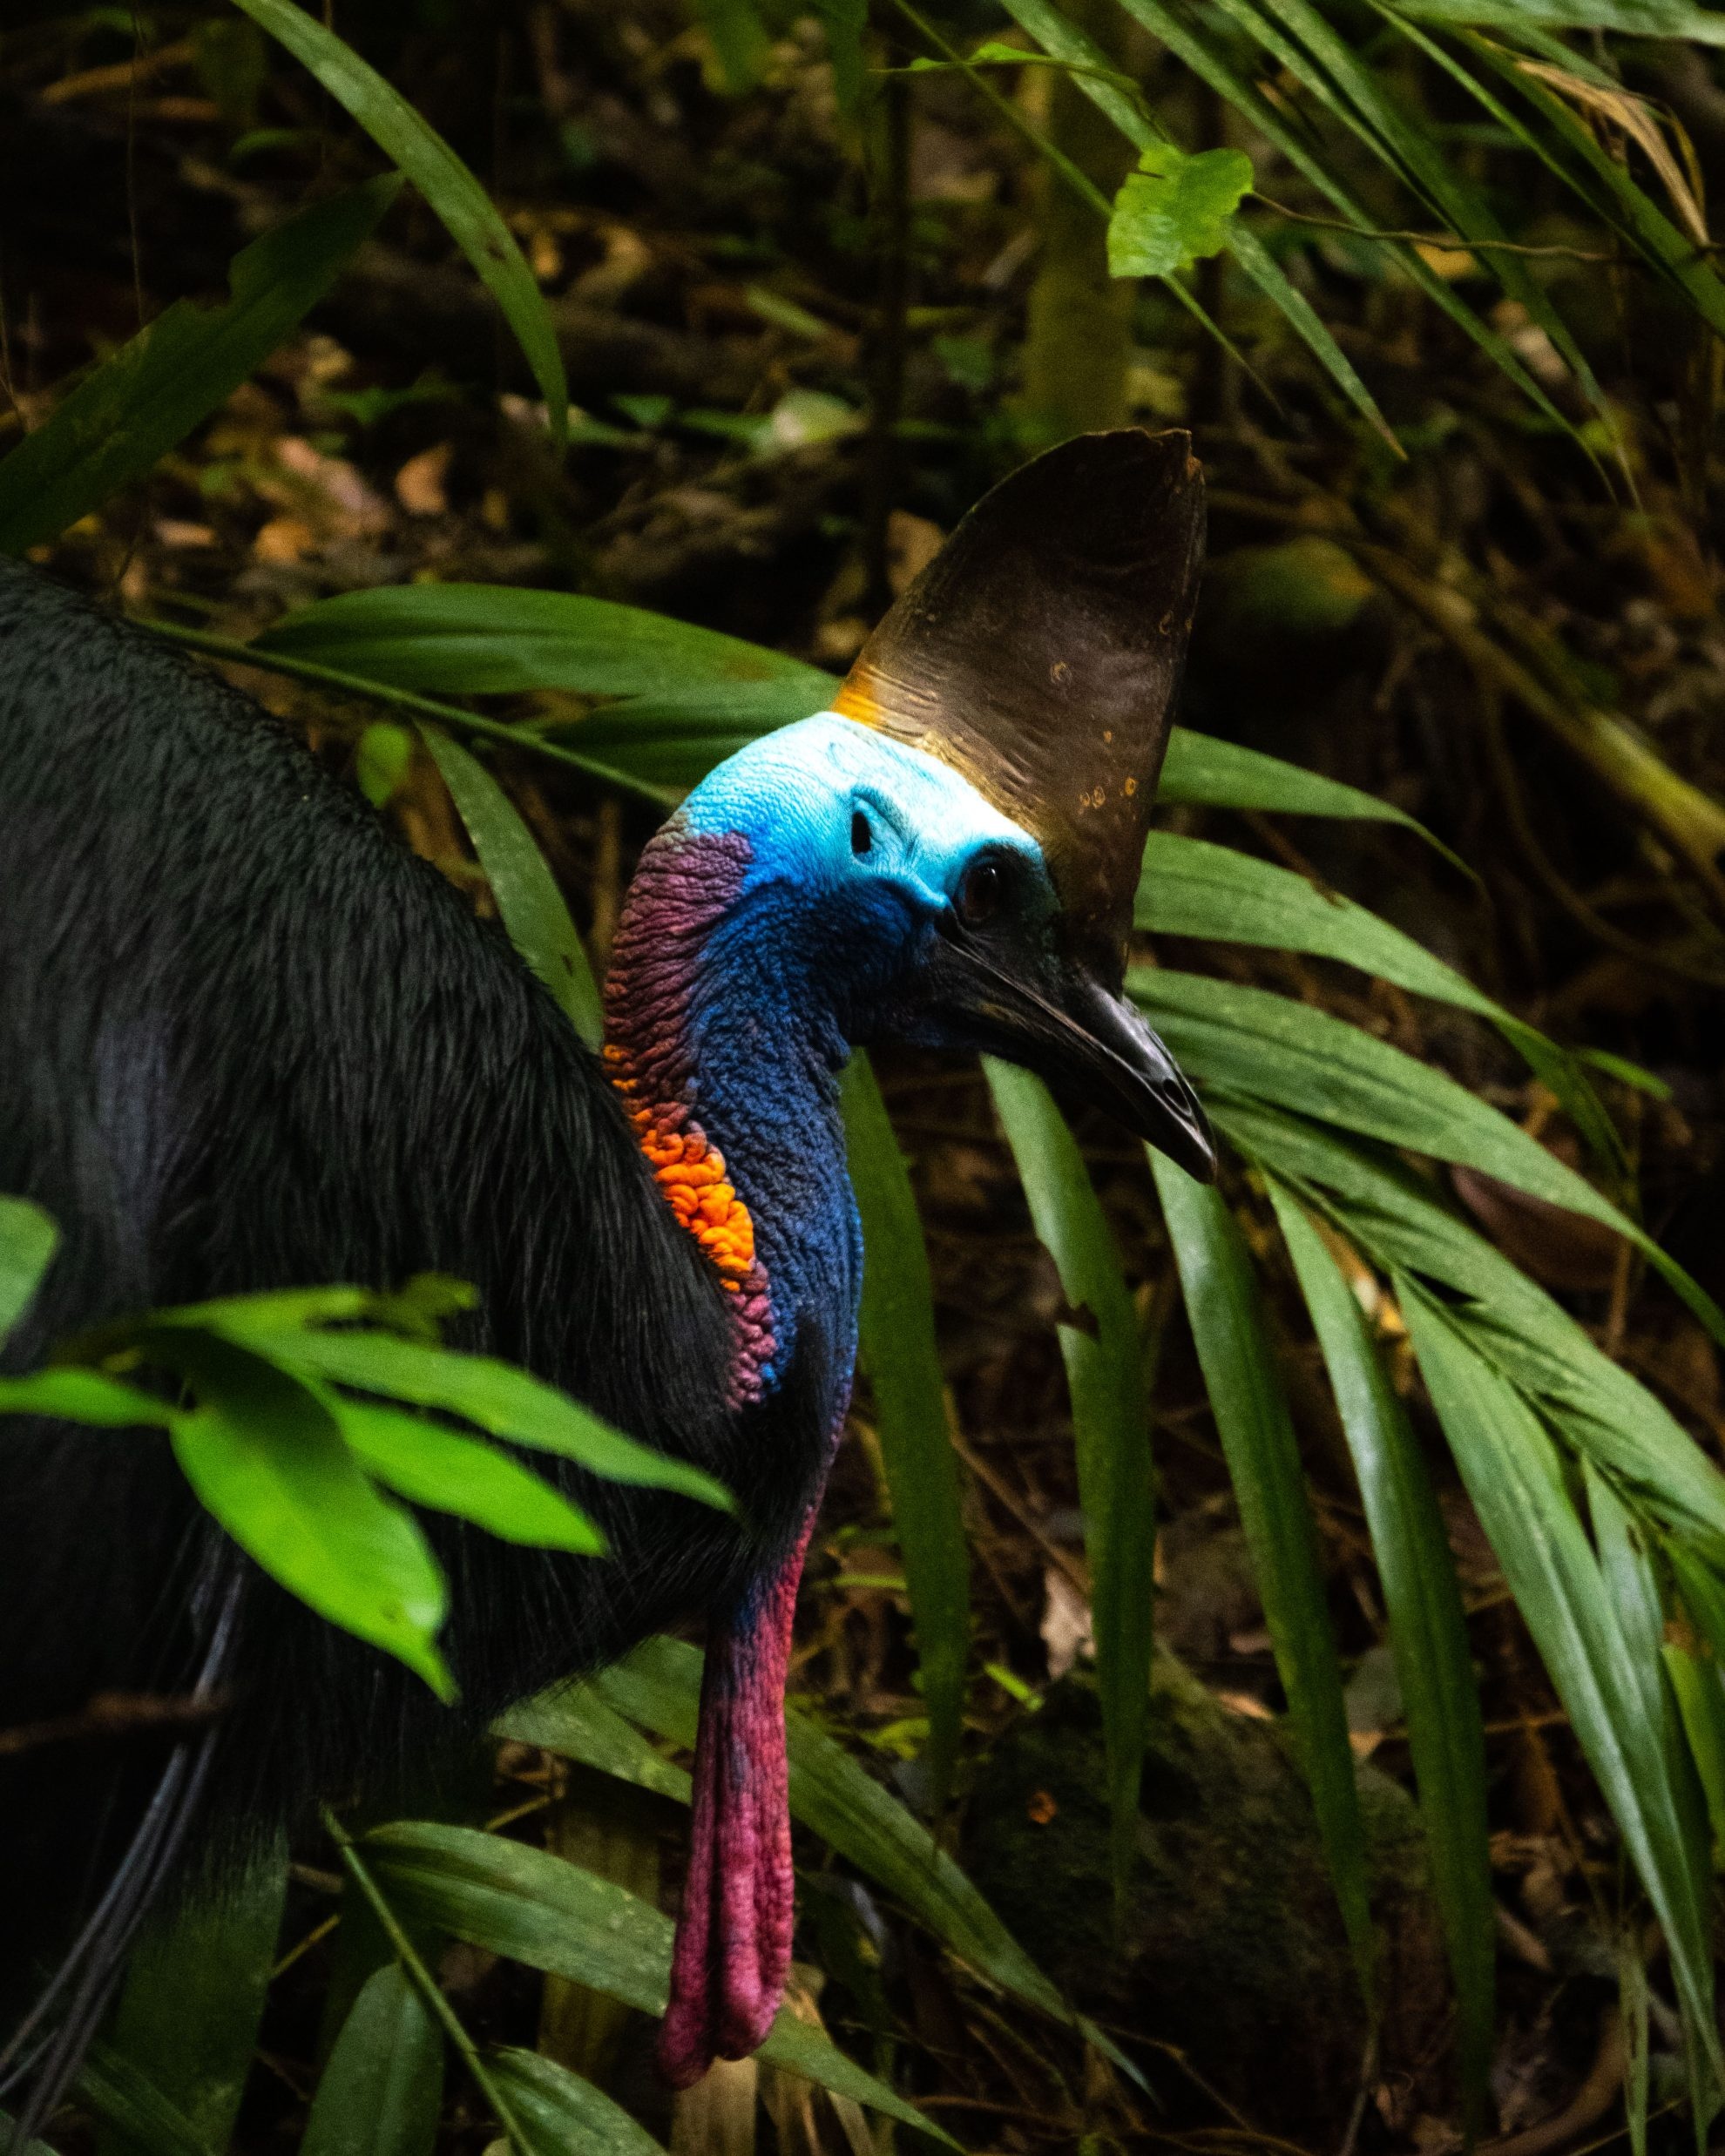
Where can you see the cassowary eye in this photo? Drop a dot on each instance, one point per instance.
(862, 833)
(980, 893)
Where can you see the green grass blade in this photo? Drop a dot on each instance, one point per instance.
(1251, 1043)
(576, 1723)
(1190, 887)
(28, 1239)
(1398, 1220)
(454, 195)
(1428, 1635)
(1635, 18)
(1201, 768)
(151, 395)
(1616, 1704)
(1263, 1463)
(532, 907)
(1110, 1428)
(380, 2092)
(902, 1361)
(540, 1910)
(126, 2102)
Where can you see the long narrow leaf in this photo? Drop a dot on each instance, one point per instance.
(1428, 1633)
(172, 375)
(562, 2115)
(902, 1361)
(453, 193)
(1615, 1705)
(540, 1910)
(1110, 1428)
(1263, 1463)
(528, 898)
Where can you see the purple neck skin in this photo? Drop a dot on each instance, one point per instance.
(733, 1936)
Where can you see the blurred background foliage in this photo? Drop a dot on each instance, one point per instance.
(530, 488)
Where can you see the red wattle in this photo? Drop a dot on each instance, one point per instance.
(733, 1937)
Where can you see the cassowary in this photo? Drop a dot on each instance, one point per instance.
(246, 1041)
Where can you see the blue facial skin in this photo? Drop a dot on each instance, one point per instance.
(859, 847)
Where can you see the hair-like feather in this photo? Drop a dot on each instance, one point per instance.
(247, 1040)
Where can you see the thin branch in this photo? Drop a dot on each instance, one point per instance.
(422, 1979)
(1450, 242)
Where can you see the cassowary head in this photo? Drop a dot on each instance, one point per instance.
(950, 855)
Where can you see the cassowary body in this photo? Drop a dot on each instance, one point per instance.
(247, 1041)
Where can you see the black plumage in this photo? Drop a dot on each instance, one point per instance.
(247, 1040)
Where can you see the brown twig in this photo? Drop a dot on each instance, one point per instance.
(113, 1715)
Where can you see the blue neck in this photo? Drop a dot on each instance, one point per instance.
(766, 1051)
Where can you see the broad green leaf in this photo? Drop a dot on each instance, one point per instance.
(263, 1454)
(1428, 1631)
(1250, 1041)
(560, 2114)
(126, 2100)
(1175, 208)
(1263, 1463)
(82, 1397)
(495, 1396)
(172, 375)
(902, 1361)
(527, 895)
(1111, 1428)
(454, 196)
(575, 1721)
(659, 1685)
(187, 2020)
(537, 1909)
(430, 1464)
(28, 1241)
(481, 639)
(1398, 1221)
(380, 2092)
(1615, 1703)
(1192, 888)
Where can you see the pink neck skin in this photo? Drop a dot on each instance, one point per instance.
(733, 1936)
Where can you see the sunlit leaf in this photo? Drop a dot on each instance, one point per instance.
(527, 895)
(430, 1464)
(1174, 208)
(265, 1457)
(902, 1362)
(28, 1239)
(497, 1397)
(467, 212)
(173, 374)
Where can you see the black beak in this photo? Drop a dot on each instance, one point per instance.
(1068, 1029)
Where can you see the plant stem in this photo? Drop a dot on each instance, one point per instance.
(422, 1979)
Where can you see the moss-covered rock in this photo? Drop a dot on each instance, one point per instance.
(1232, 1949)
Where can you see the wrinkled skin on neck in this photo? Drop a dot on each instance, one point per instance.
(727, 1014)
